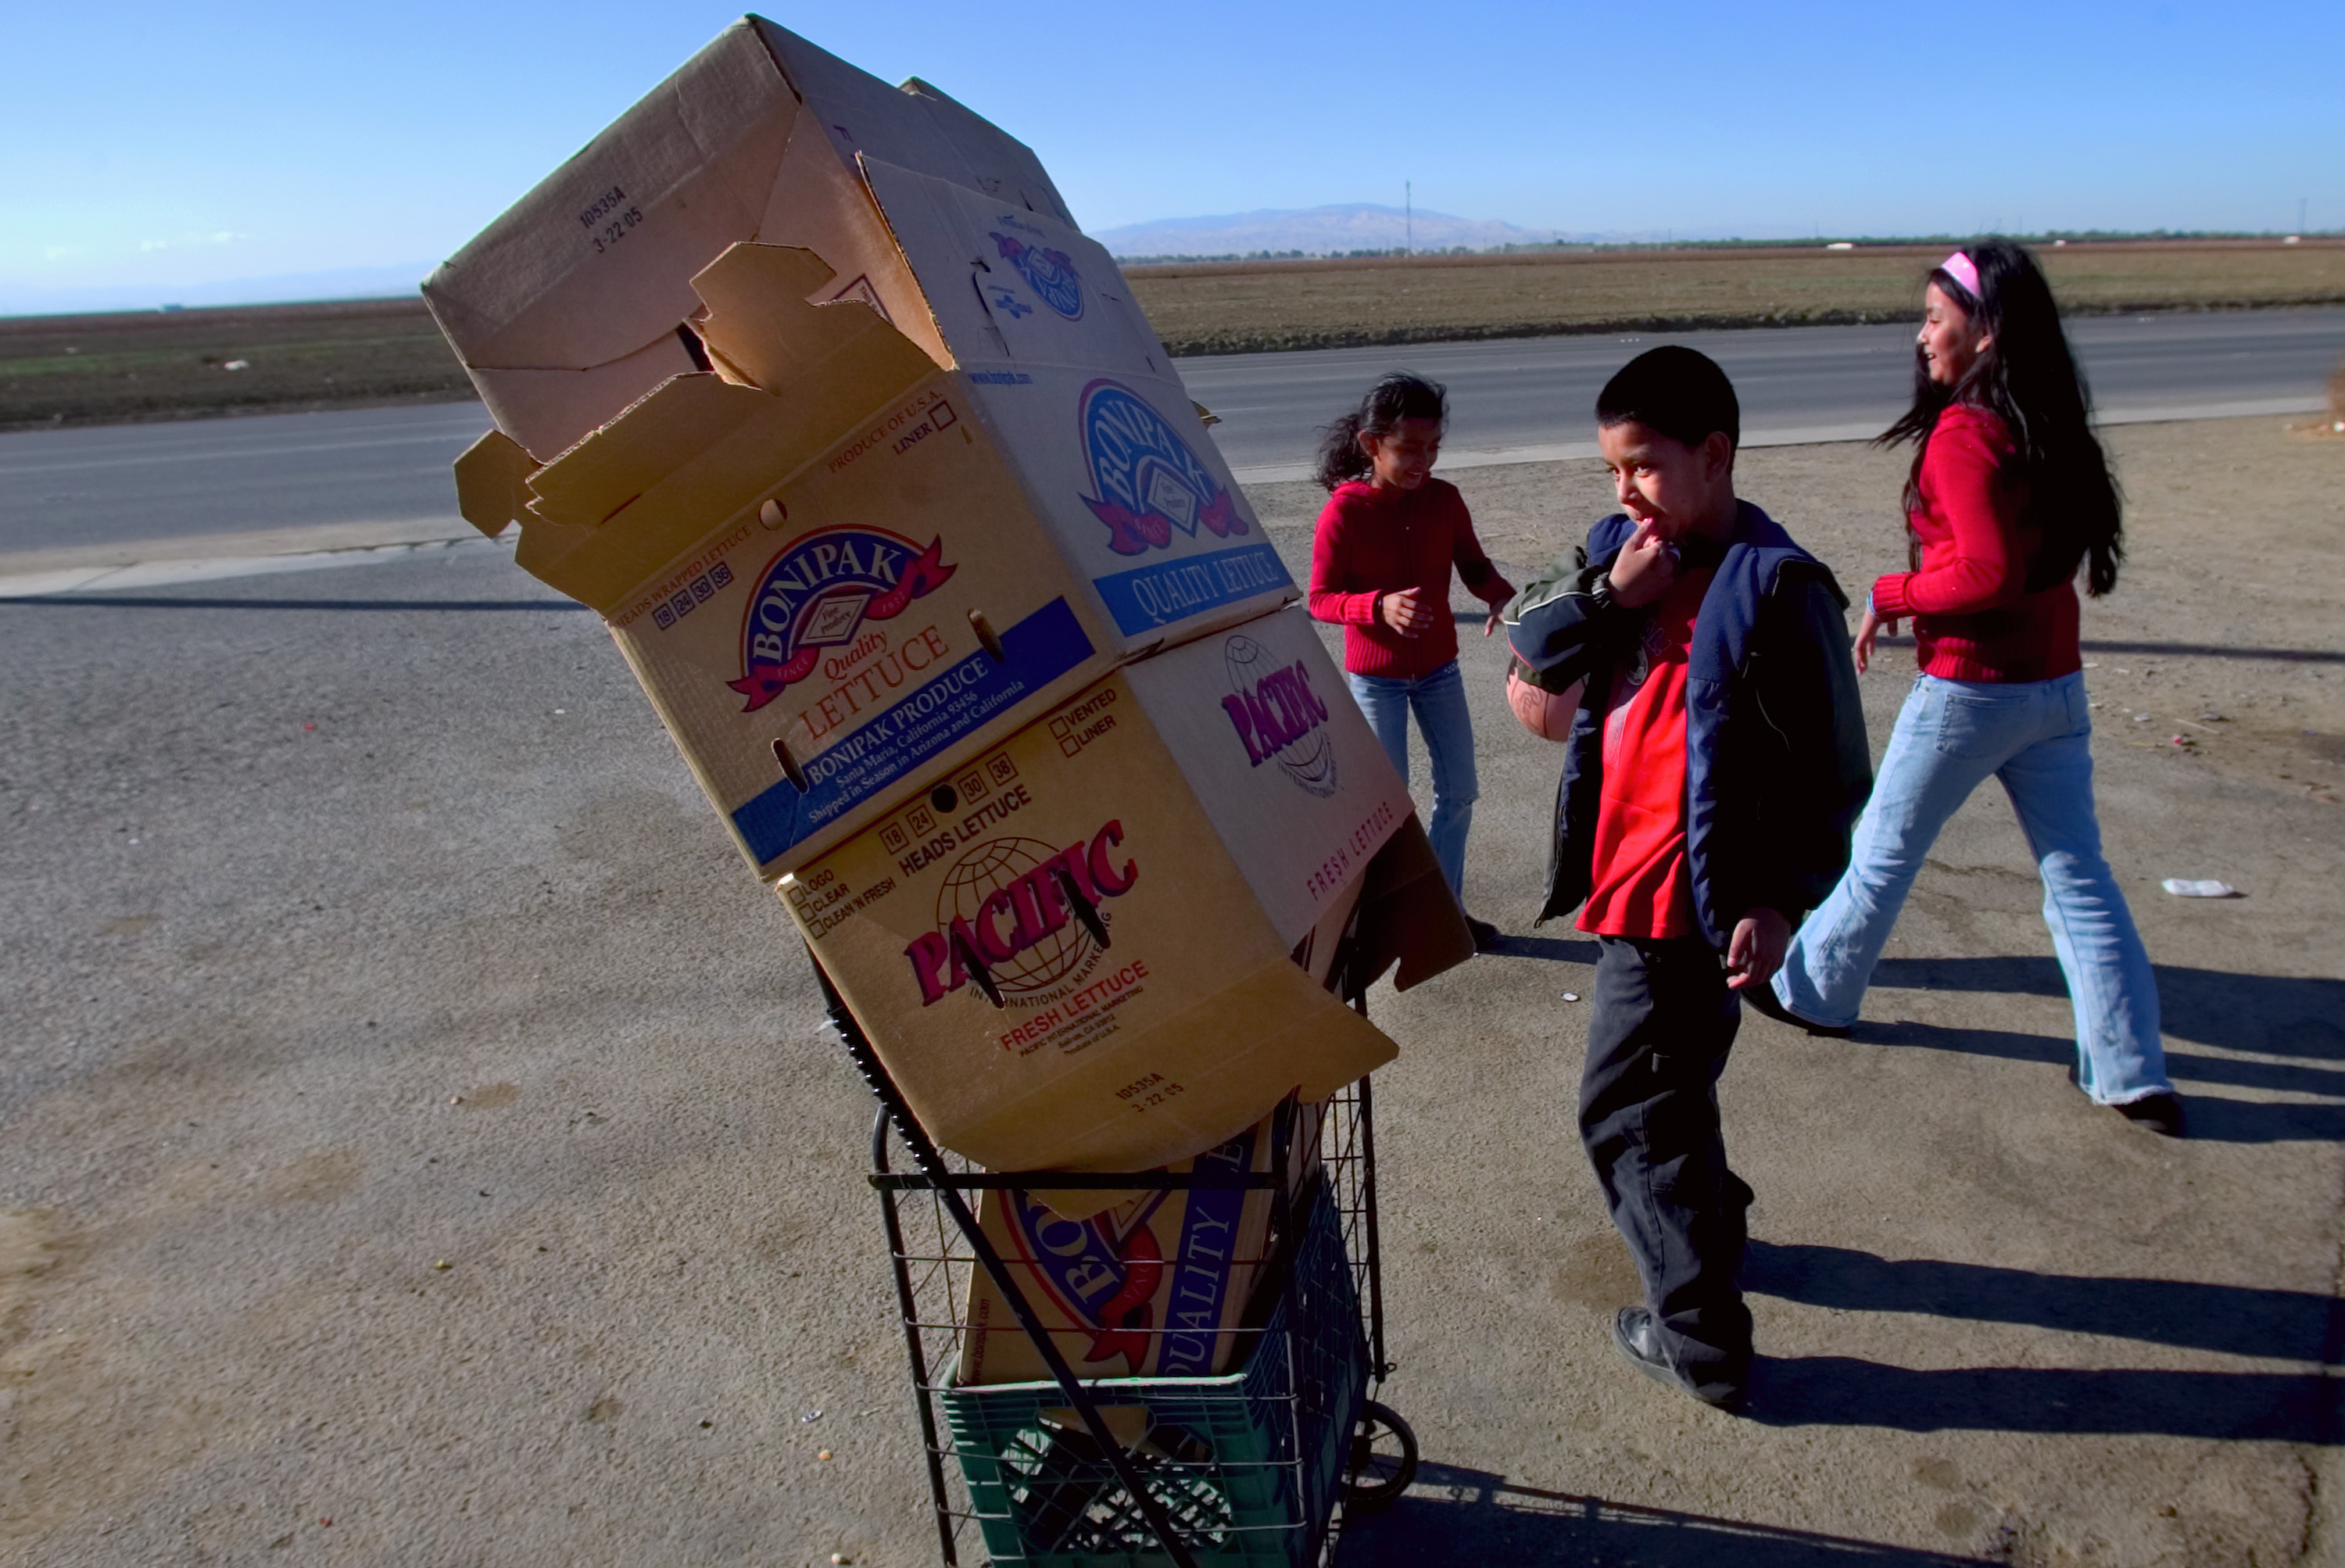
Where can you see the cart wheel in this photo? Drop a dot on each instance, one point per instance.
(1383, 1463)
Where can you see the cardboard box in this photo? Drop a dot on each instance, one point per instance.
(1155, 1285)
(810, 386)
(825, 570)
(577, 300)
(1076, 952)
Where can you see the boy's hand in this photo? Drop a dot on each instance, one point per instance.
(1645, 569)
(1756, 951)
(1405, 612)
(1496, 596)
(1869, 627)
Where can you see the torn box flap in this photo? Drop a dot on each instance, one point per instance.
(492, 482)
(615, 508)
(1407, 916)
(596, 264)
(760, 328)
(548, 411)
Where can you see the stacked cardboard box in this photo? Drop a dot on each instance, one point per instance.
(892, 501)
(1153, 1285)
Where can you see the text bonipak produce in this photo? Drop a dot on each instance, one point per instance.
(812, 389)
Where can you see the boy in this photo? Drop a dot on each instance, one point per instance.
(1713, 770)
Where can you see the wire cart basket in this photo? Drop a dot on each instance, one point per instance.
(1257, 1464)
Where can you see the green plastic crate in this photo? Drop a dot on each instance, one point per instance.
(1246, 1464)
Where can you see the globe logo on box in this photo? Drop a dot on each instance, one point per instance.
(1277, 716)
(1146, 481)
(1050, 273)
(818, 593)
(1022, 912)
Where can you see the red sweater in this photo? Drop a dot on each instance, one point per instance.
(1372, 542)
(1973, 618)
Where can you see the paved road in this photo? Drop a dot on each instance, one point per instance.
(1535, 391)
(132, 482)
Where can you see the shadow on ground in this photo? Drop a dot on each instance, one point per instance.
(2272, 1015)
(2231, 1406)
(1454, 1515)
(2277, 1015)
(2234, 1319)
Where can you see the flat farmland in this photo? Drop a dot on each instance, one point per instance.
(134, 366)
(1217, 308)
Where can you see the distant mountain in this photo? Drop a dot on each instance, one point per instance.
(285, 288)
(1317, 231)
(1363, 225)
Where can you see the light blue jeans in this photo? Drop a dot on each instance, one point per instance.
(2033, 735)
(1442, 718)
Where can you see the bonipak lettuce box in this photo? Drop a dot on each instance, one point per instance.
(1154, 1287)
(1078, 951)
(827, 573)
(797, 377)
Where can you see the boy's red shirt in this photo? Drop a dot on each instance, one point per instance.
(1643, 888)
(1372, 542)
(1973, 618)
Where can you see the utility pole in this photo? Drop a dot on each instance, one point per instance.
(2299, 215)
(1408, 216)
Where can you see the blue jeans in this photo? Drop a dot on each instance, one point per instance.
(1440, 699)
(2033, 735)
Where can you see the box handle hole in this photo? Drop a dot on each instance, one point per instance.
(790, 770)
(987, 636)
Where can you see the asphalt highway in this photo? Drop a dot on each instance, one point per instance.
(1512, 399)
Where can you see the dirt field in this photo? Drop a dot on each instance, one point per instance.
(130, 366)
(1234, 307)
(157, 365)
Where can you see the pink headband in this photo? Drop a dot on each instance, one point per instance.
(1960, 268)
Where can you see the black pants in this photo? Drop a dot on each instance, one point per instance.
(1663, 1024)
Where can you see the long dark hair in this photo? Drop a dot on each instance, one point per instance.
(2028, 378)
(1396, 396)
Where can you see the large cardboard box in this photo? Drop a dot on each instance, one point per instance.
(1078, 952)
(1155, 1286)
(857, 483)
(578, 301)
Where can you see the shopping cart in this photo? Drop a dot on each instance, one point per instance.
(1258, 1465)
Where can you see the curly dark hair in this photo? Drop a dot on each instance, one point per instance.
(2029, 378)
(1396, 396)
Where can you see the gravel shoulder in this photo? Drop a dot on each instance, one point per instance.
(364, 922)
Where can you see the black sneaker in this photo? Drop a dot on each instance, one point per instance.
(1762, 997)
(1639, 1339)
(2160, 1113)
(1487, 938)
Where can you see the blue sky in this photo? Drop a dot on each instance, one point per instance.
(153, 148)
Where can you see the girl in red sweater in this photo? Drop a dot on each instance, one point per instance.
(2010, 495)
(1380, 565)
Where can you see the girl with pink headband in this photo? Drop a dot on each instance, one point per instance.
(2009, 495)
